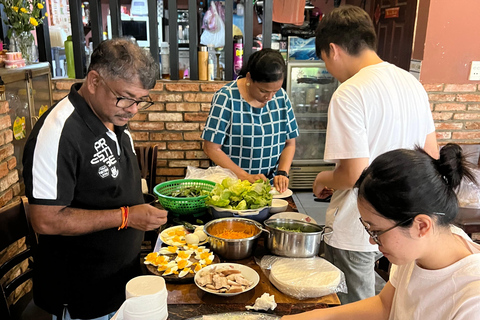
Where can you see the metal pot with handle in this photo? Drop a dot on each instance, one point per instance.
(293, 238)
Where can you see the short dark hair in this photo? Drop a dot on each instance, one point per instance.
(348, 26)
(266, 65)
(123, 59)
(402, 183)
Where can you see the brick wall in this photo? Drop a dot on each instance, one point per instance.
(176, 120)
(456, 112)
(10, 193)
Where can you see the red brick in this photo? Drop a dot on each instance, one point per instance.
(198, 97)
(468, 97)
(183, 145)
(433, 87)
(443, 135)
(183, 107)
(140, 136)
(182, 86)
(202, 126)
(470, 125)
(466, 135)
(65, 84)
(466, 116)
(4, 108)
(183, 163)
(12, 163)
(3, 169)
(199, 117)
(195, 155)
(6, 151)
(468, 87)
(448, 125)
(134, 125)
(165, 116)
(162, 163)
(171, 172)
(205, 107)
(473, 107)
(441, 97)
(6, 197)
(442, 115)
(212, 87)
(181, 126)
(166, 97)
(450, 106)
(166, 136)
(157, 106)
(5, 122)
(7, 136)
(59, 95)
(12, 177)
(158, 86)
(171, 155)
(16, 188)
(192, 136)
(140, 116)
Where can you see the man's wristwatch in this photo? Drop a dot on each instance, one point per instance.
(282, 173)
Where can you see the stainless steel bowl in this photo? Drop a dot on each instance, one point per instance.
(233, 249)
(303, 244)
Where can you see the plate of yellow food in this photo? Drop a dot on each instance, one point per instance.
(179, 236)
(179, 264)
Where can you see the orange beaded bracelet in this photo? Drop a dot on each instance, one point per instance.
(124, 218)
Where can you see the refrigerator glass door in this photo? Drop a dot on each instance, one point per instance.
(310, 87)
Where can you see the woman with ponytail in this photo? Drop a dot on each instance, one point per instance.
(407, 203)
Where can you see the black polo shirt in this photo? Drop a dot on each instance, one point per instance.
(72, 159)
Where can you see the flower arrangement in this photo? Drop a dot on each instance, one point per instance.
(23, 15)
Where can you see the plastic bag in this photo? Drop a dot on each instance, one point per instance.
(303, 278)
(215, 174)
(214, 28)
(468, 193)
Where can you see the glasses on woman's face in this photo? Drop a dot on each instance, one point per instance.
(375, 234)
(124, 102)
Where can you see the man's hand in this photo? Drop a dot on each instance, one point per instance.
(146, 217)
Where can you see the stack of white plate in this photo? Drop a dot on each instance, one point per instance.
(146, 299)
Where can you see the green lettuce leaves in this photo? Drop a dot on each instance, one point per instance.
(236, 194)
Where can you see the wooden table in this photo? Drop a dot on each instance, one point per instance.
(187, 300)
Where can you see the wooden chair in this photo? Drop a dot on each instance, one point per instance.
(13, 227)
(147, 160)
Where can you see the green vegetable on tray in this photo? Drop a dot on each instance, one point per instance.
(236, 194)
(189, 192)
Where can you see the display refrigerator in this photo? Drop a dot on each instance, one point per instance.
(310, 87)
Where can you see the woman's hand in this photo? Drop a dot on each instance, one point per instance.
(254, 177)
(280, 183)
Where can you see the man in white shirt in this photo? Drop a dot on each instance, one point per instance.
(377, 108)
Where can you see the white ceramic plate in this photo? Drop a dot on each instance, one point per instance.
(247, 272)
(168, 241)
(294, 216)
(287, 193)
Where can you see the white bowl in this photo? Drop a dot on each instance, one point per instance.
(247, 272)
(278, 205)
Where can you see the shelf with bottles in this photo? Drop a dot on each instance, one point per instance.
(305, 149)
(312, 121)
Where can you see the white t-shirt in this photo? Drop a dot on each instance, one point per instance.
(449, 293)
(381, 108)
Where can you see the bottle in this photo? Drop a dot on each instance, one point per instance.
(203, 63)
(69, 57)
(2, 90)
(211, 73)
(237, 55)
(211, 55)
(165, 54)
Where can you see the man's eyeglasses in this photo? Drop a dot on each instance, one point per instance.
(124, 102)
(375, 234)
